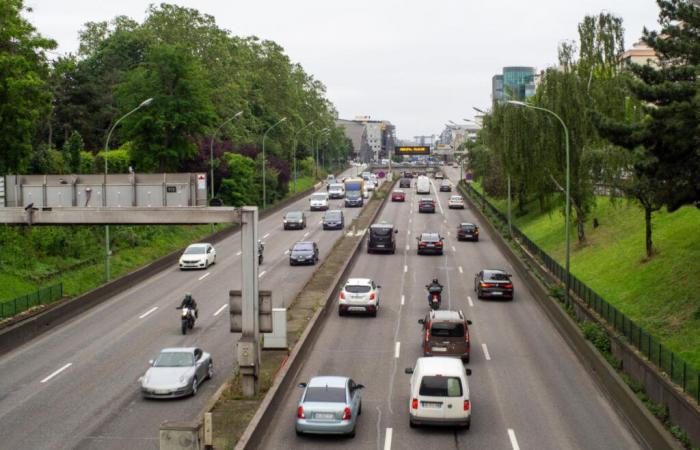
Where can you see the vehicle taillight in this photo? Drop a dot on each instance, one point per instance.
(485, 285)
(466, 337)
(342, 295)
(346, 414)
(476, 231)
(371, 296)
(414, 403)
(466, 405)
(508, 286)
(438, 244)
(300, 412)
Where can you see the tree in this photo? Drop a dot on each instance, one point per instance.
(164, 133)
(24, 96)
(71, 151)
(240, 189)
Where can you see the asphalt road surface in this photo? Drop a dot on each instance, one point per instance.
(528, 390)
(76, 386)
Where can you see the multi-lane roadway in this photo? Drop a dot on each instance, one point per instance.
(528, 389)
(76, 386)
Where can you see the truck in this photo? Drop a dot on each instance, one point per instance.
(354, 188)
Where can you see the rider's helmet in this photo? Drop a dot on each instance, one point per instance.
(435, 281)
(188, 296)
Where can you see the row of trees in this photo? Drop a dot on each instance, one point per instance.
(55, 114)
(633, 130)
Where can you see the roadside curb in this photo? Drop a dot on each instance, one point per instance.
(14, 335)
(251, 437)
(643, 423)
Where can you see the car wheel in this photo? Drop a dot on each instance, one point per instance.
(340, 311)
(194, 386)
(299, 433)
(210, 370)
(351, 434)
(184, 327)
(359, 410)
(465, 359)
(411, 423)
(469, 423)
(374, 313)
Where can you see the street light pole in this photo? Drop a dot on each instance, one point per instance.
(264, 161)
(104, 194)
(567, 207)
(211, 149)
(294, 152)
(317, 139)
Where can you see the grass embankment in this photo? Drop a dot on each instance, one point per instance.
(661, 294)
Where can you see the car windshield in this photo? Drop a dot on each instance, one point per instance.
(303, 247)
(336, 187)
(468, 227)
(353, 194)
(294, 215)
(496, 276)
(430, 237)
(325, 394)
(456, 198)
(332, 215)
(318, 197)
(398, 192)
(437, 386)
(380, 231)
(426, 200)
(447, 329)
(174, 359)
(198, 250)
(357, 288)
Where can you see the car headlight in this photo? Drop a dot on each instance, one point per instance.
(284, 221)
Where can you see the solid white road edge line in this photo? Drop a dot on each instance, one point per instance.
(148, 312)
(387, 439)
(486, 352)
(218, 311)
(469, 299)
(397, 349)
(460, 269)
(56, 372)
(204, 276)
(513, 439)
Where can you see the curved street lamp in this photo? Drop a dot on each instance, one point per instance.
(265, 161)
(211, 148)
(294, 152)
(108, 252)
(320, 132)
(567, 208)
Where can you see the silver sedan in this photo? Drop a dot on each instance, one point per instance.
(329, 405)
(176, 372)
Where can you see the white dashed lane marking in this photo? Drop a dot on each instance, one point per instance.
(218, 311)
(486, 352)
(513, 439)
(397, 349)
(148, 312)
(471, 303)
(204, 276)
(56, 372)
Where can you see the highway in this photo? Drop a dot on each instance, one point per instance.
(76, 386)
(528, 389)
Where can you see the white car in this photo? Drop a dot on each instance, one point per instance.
(455, 202)
(359, 295)
(198, 256)
(319, 201)
(369, 185)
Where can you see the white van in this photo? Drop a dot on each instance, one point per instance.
(319, 201)
(423, 185)
(439, 392)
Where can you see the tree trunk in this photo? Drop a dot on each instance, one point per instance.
(647, 221)
(579, 227)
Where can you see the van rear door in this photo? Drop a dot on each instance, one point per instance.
(440, 397)
(448, 338)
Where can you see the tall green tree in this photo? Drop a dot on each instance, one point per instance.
(164, 133)
(71, 151)
(24, 97)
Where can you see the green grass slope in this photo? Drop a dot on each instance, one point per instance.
(661, 294)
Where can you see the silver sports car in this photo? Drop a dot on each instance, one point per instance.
(176, 372)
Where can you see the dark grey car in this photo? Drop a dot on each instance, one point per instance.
(333, 220)
(303, 252)
(493, 283)
(176, 372)
(294, 220)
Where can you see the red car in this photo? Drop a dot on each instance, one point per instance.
(398, 195)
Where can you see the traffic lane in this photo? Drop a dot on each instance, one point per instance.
(521, 336)
(116, 331)
(355, 345)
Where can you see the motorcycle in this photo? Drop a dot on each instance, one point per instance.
(434, 297)
(187, 319)
(261, 248)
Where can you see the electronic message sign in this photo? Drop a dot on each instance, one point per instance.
(412, 150)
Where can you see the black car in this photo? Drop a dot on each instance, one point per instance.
(430, 243)
(381, 238)
(333, 220)
(445, 186)
(353, 199)
(426, 205)
(294, 220)
(467, 231)
(493, 283)
(303, 252)
(405, 183)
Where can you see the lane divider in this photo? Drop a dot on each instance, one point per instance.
(387, 439)
(218, 311)
(405, 269)
(397, 349)
(56, 372)
(239, 253)
(148, 312)
(265, 237)
(471, 302)
(460, 269)
(260, 275)
(486, 352)
(513, 439)
(204, 276)
(403, 299)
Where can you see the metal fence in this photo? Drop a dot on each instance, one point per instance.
(678, 370)
(43, 296)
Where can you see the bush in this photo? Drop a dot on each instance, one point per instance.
(597, 335)
(118, 161)
(240, 189)
(47, 161)
(87, 163)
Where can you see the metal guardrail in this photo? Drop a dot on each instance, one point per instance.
(43, 296)
(678, 370)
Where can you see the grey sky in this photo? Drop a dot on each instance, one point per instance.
(415, 63)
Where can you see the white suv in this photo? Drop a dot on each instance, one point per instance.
(359, 295)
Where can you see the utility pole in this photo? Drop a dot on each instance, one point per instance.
(248, 348)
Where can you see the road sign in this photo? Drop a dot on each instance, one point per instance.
(412, 150)
(381, 174)
(201, 181)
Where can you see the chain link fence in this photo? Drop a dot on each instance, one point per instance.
(43, 296)
(679, 371)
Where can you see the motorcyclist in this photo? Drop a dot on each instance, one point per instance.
(261, 248)
(188, 302)
(434, 287)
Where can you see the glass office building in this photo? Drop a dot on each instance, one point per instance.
(518, 82)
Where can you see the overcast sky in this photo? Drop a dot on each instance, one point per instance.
(415, 63)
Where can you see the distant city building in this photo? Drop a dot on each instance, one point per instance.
(515, 83)
(641, 54)
(372, 140)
